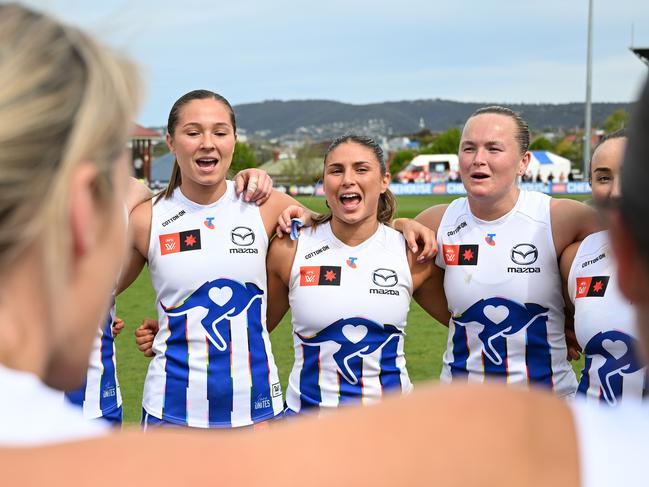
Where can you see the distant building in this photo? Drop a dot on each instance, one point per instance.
(399, 143)
(140, 142)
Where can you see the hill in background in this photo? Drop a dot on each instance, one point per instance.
(321, 119)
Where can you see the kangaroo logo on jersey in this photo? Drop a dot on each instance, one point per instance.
(222, 299)
(460, 254)
(357, 337)
(524, 254)
(618, 351)
(242, 236)
(591, 287)
(320, 275)
(499, 317)
(385, 277)
(171, 243)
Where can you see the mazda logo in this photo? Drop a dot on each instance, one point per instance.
(524, 254)
(385, 277)
(242, 236)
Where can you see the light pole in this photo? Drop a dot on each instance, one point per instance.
(589, 72)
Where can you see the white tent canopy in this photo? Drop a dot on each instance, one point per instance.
(546, 163)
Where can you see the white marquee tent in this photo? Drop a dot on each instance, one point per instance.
(547, 163)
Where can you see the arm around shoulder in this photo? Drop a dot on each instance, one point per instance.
(432, 217)
(429, 293)
(137, 193)
(272, 209)
(140, 228)
(572, 221)
(279, 262)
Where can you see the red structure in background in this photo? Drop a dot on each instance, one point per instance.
(141, 141)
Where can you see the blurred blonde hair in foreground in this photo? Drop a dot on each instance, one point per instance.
(64, 99)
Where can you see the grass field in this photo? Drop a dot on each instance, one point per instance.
(425, 339)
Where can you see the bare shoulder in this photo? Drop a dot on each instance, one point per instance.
(569, 210)
(512, 437)
(567, 258)
(281, 252)
(140, 225)
(136, 193)
(572, 221)
(431, 217)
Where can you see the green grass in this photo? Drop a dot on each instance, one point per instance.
(424, 345)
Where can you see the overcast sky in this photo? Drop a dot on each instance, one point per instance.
(370, 51)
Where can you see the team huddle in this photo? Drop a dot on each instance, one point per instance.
(525, 282)
(222, 284)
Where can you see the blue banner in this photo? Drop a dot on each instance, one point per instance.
(571, 187)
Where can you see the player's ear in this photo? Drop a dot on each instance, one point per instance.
(83, 209)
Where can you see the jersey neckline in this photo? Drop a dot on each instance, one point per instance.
(229, 192)
(501, 219)
(354, 248)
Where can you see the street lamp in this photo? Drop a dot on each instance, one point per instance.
(589, 72)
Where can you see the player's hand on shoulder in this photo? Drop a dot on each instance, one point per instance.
(284, 221)
(256, 185)
(418, 236)
(144, 335)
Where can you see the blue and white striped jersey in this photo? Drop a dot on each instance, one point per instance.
(213, 364)
(504, 292)
(605, 327)
(349, 307)
(100, 394)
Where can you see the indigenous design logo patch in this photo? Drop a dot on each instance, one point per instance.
(460, 254)
(591, 287)
(171, 243)
(323, 275)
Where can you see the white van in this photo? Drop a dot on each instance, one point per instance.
(430, 168)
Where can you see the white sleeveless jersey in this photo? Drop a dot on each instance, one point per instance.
(612, 443)
(605, 326)
(349, 307)
(100, 394)
(504, 292)
(33, 414)
(213, 364)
